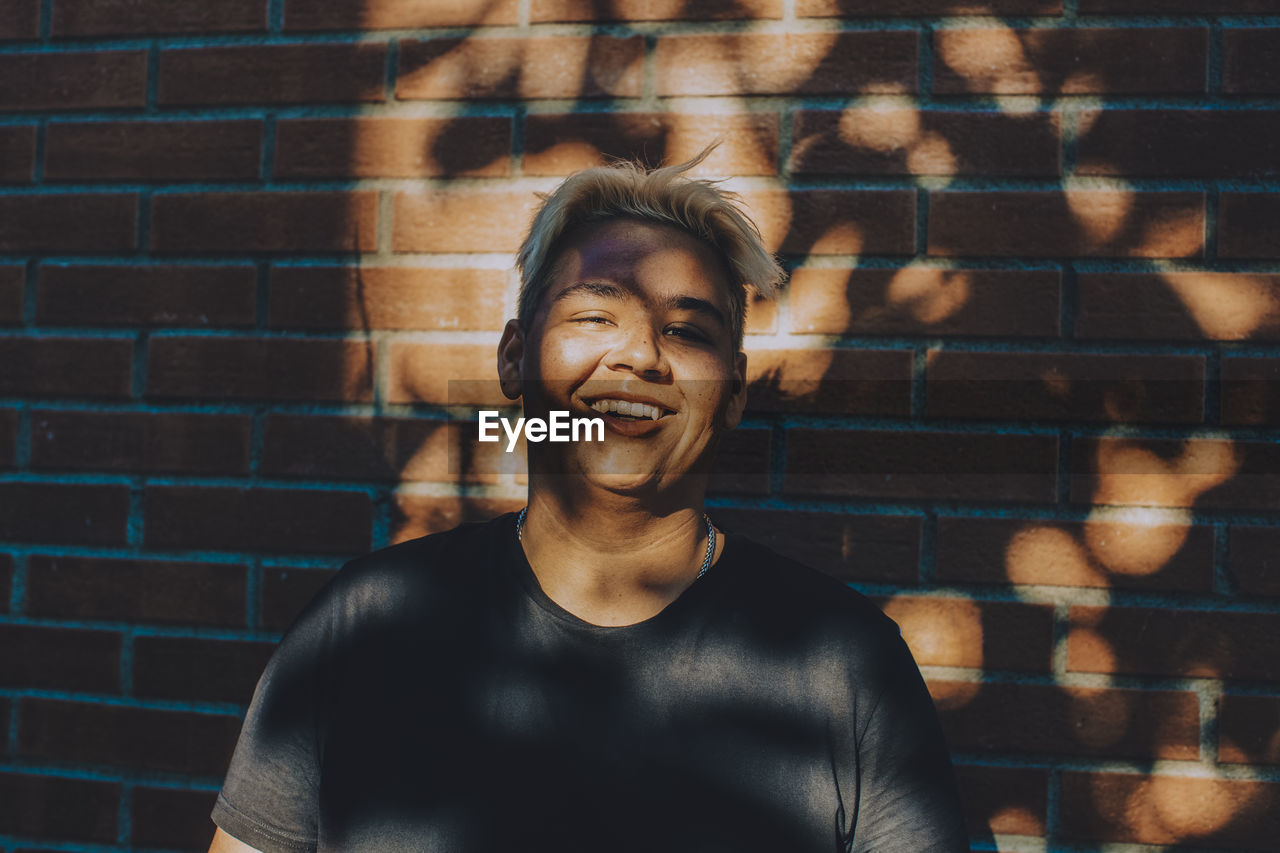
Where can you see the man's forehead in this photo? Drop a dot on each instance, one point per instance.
(633, 254)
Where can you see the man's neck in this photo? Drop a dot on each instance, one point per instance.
(610, 559)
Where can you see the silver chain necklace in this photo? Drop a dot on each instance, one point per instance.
(706, 561)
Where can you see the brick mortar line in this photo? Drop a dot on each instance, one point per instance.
(846, 262)
(835, 422)
(46, 20)
(1223, 577)
(726, 103)
(275, 16)
(670, 27)
(753, 183)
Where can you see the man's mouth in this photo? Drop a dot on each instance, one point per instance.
(628, 410)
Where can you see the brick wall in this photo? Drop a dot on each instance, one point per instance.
(1022, 389)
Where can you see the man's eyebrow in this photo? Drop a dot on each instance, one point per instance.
(594, 288)
(700, 306)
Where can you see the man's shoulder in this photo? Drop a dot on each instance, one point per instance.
(427, 569)
(794, 592)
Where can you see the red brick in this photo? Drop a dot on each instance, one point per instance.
(742, 463)
(1065, 387)
(197, 670)
(419, 298)
(346, 448)
(12, 286)
(141, 738)
(168, 295)
(1188, 643)
(53, 367)
(19, 19)
(422, 515)
(397, 449)
(1208, 305)
(563, 143)
(461, 219)
(848, 547)
(88, 80)
(1251, 58)
(1075, 223)
(396, 14)
(868, 8)
(916, 300)
(987, 635)
(153, 150)
(8, 437)
(1255, 559)
(1098, 553)
(1004, 800)
(445, 374)
(474, 146)
(43, 806)
(938, 465)
(1251, 391)
(64, 513)
(830, 381)
(127, 590)
(860, 141)
(654, 10)
(835, 222)
(1249, 225)
(273, 74)
(1033, 718)
(1192, 7)
(1008, 61)
(17, 152)
(60, 659)
(259, 368)
(228, 519)
(68, 223)
(244, 222)
(527, 68)
(762, 316)
(285, 591)
(152, 442)
(1249, 729)
(832, 63)
(144, 17)
(1181, 143)
(1174, 810)
(172, 818)
(1205, 473)
(6, 581)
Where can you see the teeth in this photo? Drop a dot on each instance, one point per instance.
(626, 407)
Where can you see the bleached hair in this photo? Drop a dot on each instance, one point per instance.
(665, 196)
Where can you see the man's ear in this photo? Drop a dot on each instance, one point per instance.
(738, 392)
(510, 357)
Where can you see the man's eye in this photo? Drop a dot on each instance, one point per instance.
(600, 320)
(691, 333)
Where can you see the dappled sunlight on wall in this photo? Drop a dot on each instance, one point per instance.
(1130, 474)
(1020, 390)
(1228, 307)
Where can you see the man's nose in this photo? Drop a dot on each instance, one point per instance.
(639, 349)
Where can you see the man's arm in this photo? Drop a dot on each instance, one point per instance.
(908, 799)
(223, 843)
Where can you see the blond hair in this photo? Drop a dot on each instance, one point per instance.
(627, 190)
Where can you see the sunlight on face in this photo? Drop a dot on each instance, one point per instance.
(636, 313)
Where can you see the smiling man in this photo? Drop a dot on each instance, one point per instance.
(604, 670)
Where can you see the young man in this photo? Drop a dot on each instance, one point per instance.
(605, 670)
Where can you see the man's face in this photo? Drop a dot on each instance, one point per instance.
(634, 329)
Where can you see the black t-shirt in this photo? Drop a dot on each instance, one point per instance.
(433, 698)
